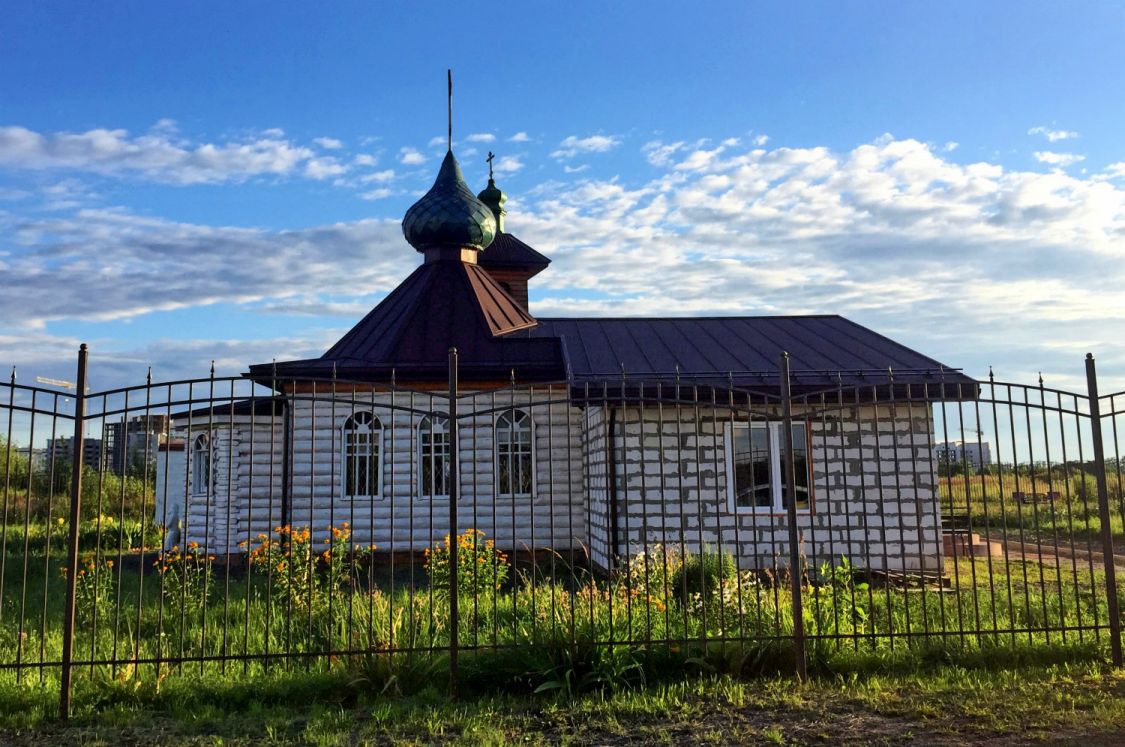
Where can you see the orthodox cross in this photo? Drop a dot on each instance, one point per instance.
(491, 155)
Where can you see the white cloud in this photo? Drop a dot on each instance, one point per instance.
(411, 157)
(891, 233)
(116, 265)
(576, 169)
(378, 176)
(328, 143)
(508, 165)
(159, 155)
(1052, 135)
(481, 137)
(365, 159)
(573, 145)
(113, 364)
(519, 137)
(378, 193)
(660, 154)
(324, 167)
(1061, 160)
(1114, 171)
(437, 141)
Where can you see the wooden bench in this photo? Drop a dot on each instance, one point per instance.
(1029, 498)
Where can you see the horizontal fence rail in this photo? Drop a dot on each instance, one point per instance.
(227, 527)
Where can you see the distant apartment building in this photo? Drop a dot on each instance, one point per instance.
(132, 442)
(976, 453)
(63, 449)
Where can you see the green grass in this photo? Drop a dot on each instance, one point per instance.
(540, 646)
(990, 602)
(930, 704)
(986, 501)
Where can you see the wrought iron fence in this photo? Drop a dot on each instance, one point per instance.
(227, 526)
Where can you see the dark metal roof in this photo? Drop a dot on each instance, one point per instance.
(442, 304)
(508, 252)
(823, 350)
(219, 414)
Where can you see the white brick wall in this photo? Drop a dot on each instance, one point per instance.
(872, 482)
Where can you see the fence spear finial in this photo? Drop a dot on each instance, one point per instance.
(148, 377)
(212, 368)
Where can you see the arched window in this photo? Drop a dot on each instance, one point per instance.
(201, 465)
(363, 438)
(515, 455)
(433, 449)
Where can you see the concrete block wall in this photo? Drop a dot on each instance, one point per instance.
(873, 486)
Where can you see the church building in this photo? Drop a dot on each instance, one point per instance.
(591, 438)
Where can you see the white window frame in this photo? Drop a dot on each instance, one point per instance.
(375, 440)
(208, 480)
(514, 413)
(423, 487)
(777, 505)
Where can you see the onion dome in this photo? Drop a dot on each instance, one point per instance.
(494, 199)
(449, 216)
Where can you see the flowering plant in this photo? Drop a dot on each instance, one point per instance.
(481, 567)
(93, 587)
(303, 578)
(184, 578)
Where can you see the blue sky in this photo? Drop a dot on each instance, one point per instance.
(205, 181)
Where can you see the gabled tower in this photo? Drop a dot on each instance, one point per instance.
(450, 301)
(508, 260)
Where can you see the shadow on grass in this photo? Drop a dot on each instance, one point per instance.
(405, 688)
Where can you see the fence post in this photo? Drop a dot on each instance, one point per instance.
(1103, 512)
(76, 459)
(454, 477)
(790, 477)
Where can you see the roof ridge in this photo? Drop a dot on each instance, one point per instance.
(688, 318)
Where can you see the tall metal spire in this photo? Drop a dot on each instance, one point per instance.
(448, 216)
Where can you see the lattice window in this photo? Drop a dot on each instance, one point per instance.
(515, 457)
(362, 439)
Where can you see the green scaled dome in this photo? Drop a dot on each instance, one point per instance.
(449, 215)
(494, 199)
